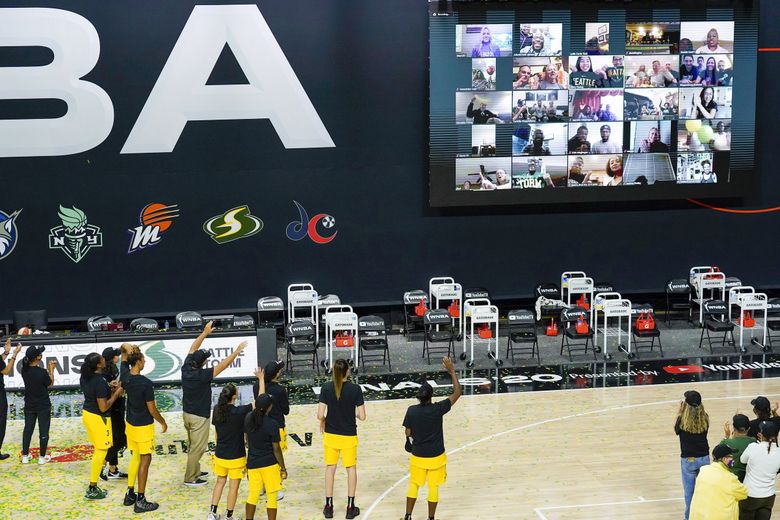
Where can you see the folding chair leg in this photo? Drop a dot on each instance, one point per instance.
(701, 339)
(389, 366)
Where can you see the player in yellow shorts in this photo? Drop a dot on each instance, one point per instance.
(265, 461)
(96, 416)
(230, 453)
(425, 441)
(273, 371)
(341, 401)
(139, 428)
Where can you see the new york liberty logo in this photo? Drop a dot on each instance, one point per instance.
(75, 237)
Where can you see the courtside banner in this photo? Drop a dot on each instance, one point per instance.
(164, 359)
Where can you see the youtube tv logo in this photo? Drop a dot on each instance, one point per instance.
(683, 369)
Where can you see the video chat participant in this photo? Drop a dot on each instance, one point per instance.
(196, 381)
(486, 48)
(605, 145)
(424, 430)
(481, 116)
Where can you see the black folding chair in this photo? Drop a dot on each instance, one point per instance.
(772, 320)
(571, 339)
(372, 337)
(645, 338)
(521, 332)
(715, 315)
(439, 333)
(300, 339)
(412, 322)
(678, 300)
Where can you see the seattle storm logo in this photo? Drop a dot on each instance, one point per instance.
(9, 235)
(75, 236)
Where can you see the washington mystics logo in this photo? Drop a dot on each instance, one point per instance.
(9, 235)
(298, 230)
(155, 219)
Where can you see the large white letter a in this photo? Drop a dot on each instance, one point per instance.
(181, 93)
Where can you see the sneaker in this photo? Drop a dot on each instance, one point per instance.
(4, 456)
(26, 459)
(130, 498)
(197, 483)
(327, 511)
(279, 495)
(95, 493)
(44, 460)
(204, 473)
(144, 506)
(104, 473)
(116, 476)
(213, 516)
(352, 512)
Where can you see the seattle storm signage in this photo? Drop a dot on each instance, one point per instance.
(179, 95)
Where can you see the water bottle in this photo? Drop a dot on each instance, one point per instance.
(167, 324)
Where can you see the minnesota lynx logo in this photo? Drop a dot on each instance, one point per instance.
(75, 237)
(9, 235)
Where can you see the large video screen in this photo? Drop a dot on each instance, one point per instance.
(590, 103)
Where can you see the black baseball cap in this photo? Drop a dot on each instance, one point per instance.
(109, 353)
(200, 356)
(741, 422)
(263, 401)
(761, 403)
(272, 369)
(722, 450)
(692, 398)
(34, 351)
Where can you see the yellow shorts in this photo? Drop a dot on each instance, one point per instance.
(140, 439)
(340, 445)
(269, 477)
(282, 439)
(231, 468)
(430, 469)
(98, 430)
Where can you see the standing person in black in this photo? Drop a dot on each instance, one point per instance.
(37, 405)
(265, 463)
(273, 371)
(119, 439)
(341, 401)
(5, 369)
(480, 116)
(141, 414)
(691, 427)
(425, 441)
(764, 412)
(196, 381)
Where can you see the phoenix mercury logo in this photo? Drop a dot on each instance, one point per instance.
(9, 235)
(233, 224)
(300, 229)
(155, 219)
(75, 237)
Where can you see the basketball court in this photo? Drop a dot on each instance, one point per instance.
(554, 455)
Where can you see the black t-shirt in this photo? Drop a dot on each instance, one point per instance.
(139, 391)
(692, 444)
(230, 434)
(753, 430)
(261, 450)
(110, 374)
(340, 419)
(2, 377)
(124, 372)
(196, 388)
(281, 402)
(580, 79)
(425, 421)
(36, 389)
(614, 77)
(95, 388)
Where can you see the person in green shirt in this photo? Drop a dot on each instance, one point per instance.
(737, 437)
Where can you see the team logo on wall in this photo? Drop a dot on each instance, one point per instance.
(9, 234)
(75, 237)
(320, 228)
(233, 224)
(155, 219)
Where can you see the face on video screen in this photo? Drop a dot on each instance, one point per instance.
(537, 39)
(483, 41)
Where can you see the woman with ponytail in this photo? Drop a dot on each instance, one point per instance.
(111, 375)
(230, 454)
(265, 463)
(340, 402)
(763, 463)
(691, 427)
(96, 416)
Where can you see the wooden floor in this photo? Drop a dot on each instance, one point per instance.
(581, 454)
